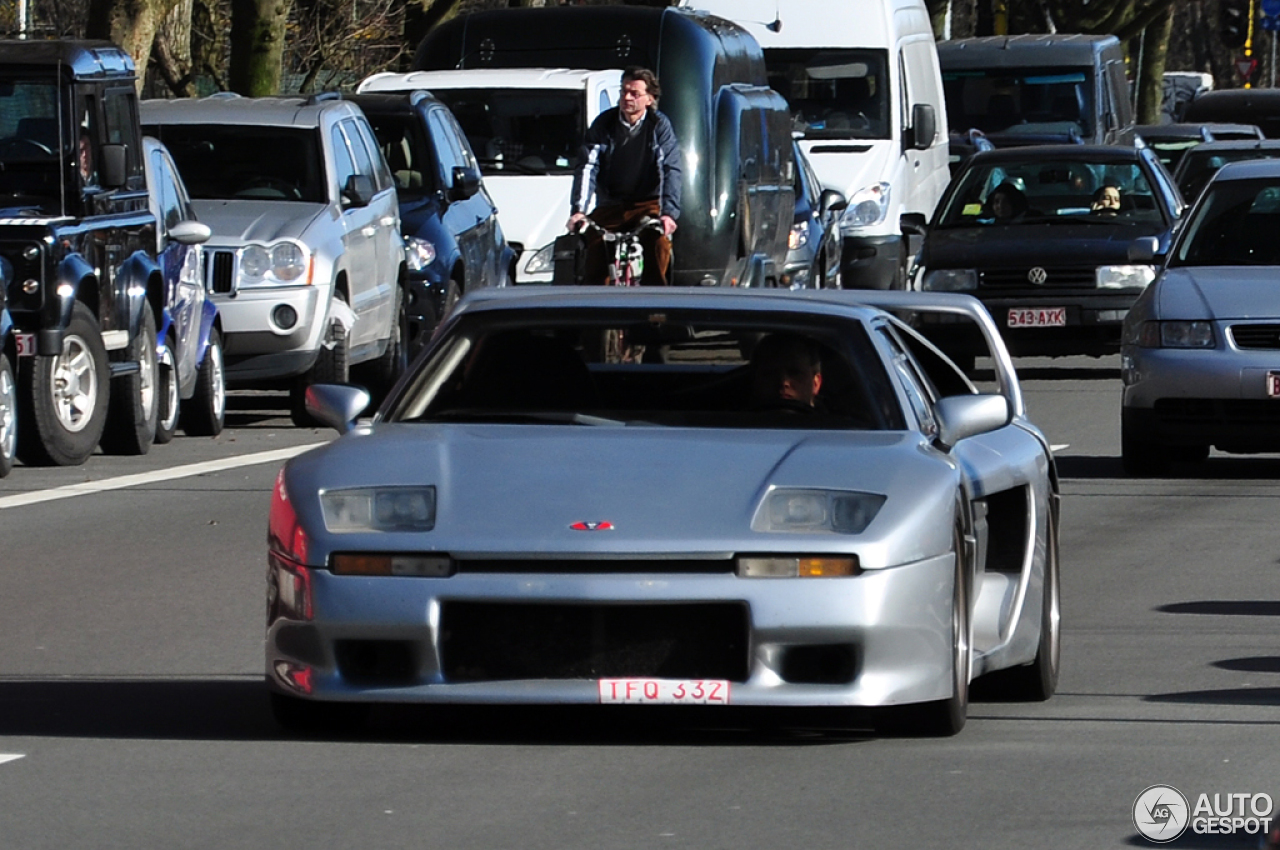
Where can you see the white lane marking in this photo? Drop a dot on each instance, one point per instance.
(4, 757)
(89, 487)
(1060, 447)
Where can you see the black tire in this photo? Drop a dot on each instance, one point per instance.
(135, 400)
(8, 417)
(63, 408)
(331, 367)
(312, 717)
(1038, 681)
(167, 392)
(204, 414)
(1142, 453)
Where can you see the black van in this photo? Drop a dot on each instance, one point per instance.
(734, 131)
(1038, 89)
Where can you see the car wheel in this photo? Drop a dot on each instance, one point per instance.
(205, 412)
(167, 390)
(135, 402)
(64, 397)
(8, 417)
(331, 367)
(312, 717)
(1141, 451)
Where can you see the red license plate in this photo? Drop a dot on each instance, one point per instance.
(26, 344)
(1273, 384)
(1039, 317)
(664, 691)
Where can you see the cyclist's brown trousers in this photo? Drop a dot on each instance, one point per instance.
(623, 217)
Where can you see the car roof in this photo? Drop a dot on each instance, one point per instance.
(229, 108)
(1209, 148)
(1023, 51)
(1249, 169)
(1082, 153)
(484, 78)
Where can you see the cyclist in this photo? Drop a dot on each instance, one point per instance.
(630, 161)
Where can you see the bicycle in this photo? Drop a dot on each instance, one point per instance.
(625, 264)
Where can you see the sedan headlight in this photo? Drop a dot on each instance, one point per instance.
(1125, 277)
(379, 509)
(867, 207)
(799, 236)
(280, 262)
(1176, 335)
(949, 280)
(419, 253)
(817, 511)
(542, 261)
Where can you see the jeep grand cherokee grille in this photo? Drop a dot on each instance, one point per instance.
(222, 271)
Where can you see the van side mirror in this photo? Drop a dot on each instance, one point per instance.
(359, 190)
(924, 126)
(466, 182)
(114, 173)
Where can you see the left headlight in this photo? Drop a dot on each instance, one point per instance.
(1195, 334)
(379, 509)
(867, 207)
(279, 262)
(949, 280)
(817, 511)
(419, 253)
(542, 261)
(1125, 277)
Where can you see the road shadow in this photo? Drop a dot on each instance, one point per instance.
(1255, 664)
(1220, 696)
(247, 410)
(1226, 607)
(1191, 841)
(1217, 468)
(239, 710)
(1088, 466)
(1066, 373)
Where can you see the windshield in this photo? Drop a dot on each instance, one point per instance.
(1236, 223)
(1041, 190)
(834, 94)
(246, 162)
(1056, 101)
(30, 177)
(520, 131)
(622, 368)
(1198, 166)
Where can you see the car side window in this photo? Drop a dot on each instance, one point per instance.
(120, 109)
(382, 178)
(364, 162)
(912, 383)
(942, 376)
(343, 163)
(166, 191)
(447, 151)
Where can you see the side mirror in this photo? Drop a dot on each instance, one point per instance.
(190, 233)
(336, 405)
(913, 224)
(114, 172)
(466, 182)
(924, 126)
(359, 190)
(1144, 249)
(831, 201)
(961, 416)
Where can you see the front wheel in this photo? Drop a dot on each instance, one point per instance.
(135, 404)
(205, 412)
(8, 417)
(64, 407)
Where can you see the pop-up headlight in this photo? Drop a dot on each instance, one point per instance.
(379, 509)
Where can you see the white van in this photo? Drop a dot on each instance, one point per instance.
(864, 87)
(525, 126)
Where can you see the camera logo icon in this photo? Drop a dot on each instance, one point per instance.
(1161, 813)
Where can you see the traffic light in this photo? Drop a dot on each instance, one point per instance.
(1233, 22)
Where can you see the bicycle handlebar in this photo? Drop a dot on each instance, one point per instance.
(646, 223)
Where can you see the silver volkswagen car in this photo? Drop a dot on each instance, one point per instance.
(306, 260)
(1201, 348)
(797, 502)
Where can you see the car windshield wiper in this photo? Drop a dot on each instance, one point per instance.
(565, 417)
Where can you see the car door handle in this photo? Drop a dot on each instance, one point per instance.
(368, 231)
(387, 221)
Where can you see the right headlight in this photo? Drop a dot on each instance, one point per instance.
(280, 262)
(419, 253)
(949, 280)
(817, 511)
(542, 261)
(867, 207)
(1195, 334)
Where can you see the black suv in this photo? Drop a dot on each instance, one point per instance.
(1057, 240)
(450, 225)
(77, 231)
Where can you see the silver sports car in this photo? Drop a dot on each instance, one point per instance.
(1200, 358)
(671, 496)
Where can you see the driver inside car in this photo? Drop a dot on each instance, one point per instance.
(786, 371)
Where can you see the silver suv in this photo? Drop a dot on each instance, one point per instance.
(306, 262)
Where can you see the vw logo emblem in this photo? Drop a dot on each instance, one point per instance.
(1037, 276)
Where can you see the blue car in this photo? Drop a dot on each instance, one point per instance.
(191, 380)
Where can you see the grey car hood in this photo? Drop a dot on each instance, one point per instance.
(517, 489)
(236, 222)
(1219, 292)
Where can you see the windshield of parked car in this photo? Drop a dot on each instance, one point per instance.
(834, 94)
(1022, 100)
(624, 368)
(247, 161)
(520, 131)
(31, 174)
(1236, 223)
(1198, 166)
(1052, 190)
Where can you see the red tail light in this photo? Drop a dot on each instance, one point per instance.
(284, 534)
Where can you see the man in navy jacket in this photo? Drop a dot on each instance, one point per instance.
(630, 162)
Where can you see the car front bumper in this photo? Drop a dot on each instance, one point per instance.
(259, 340)
(1092, 323)
(881, 638)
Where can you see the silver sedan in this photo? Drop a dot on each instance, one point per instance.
(671, 496)
(1200, 358)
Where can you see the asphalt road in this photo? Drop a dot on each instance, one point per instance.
(130, 694)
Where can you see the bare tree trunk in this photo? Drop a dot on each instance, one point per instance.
(171, 51)
(129, 23)
(257, 46)
(1154, 51)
